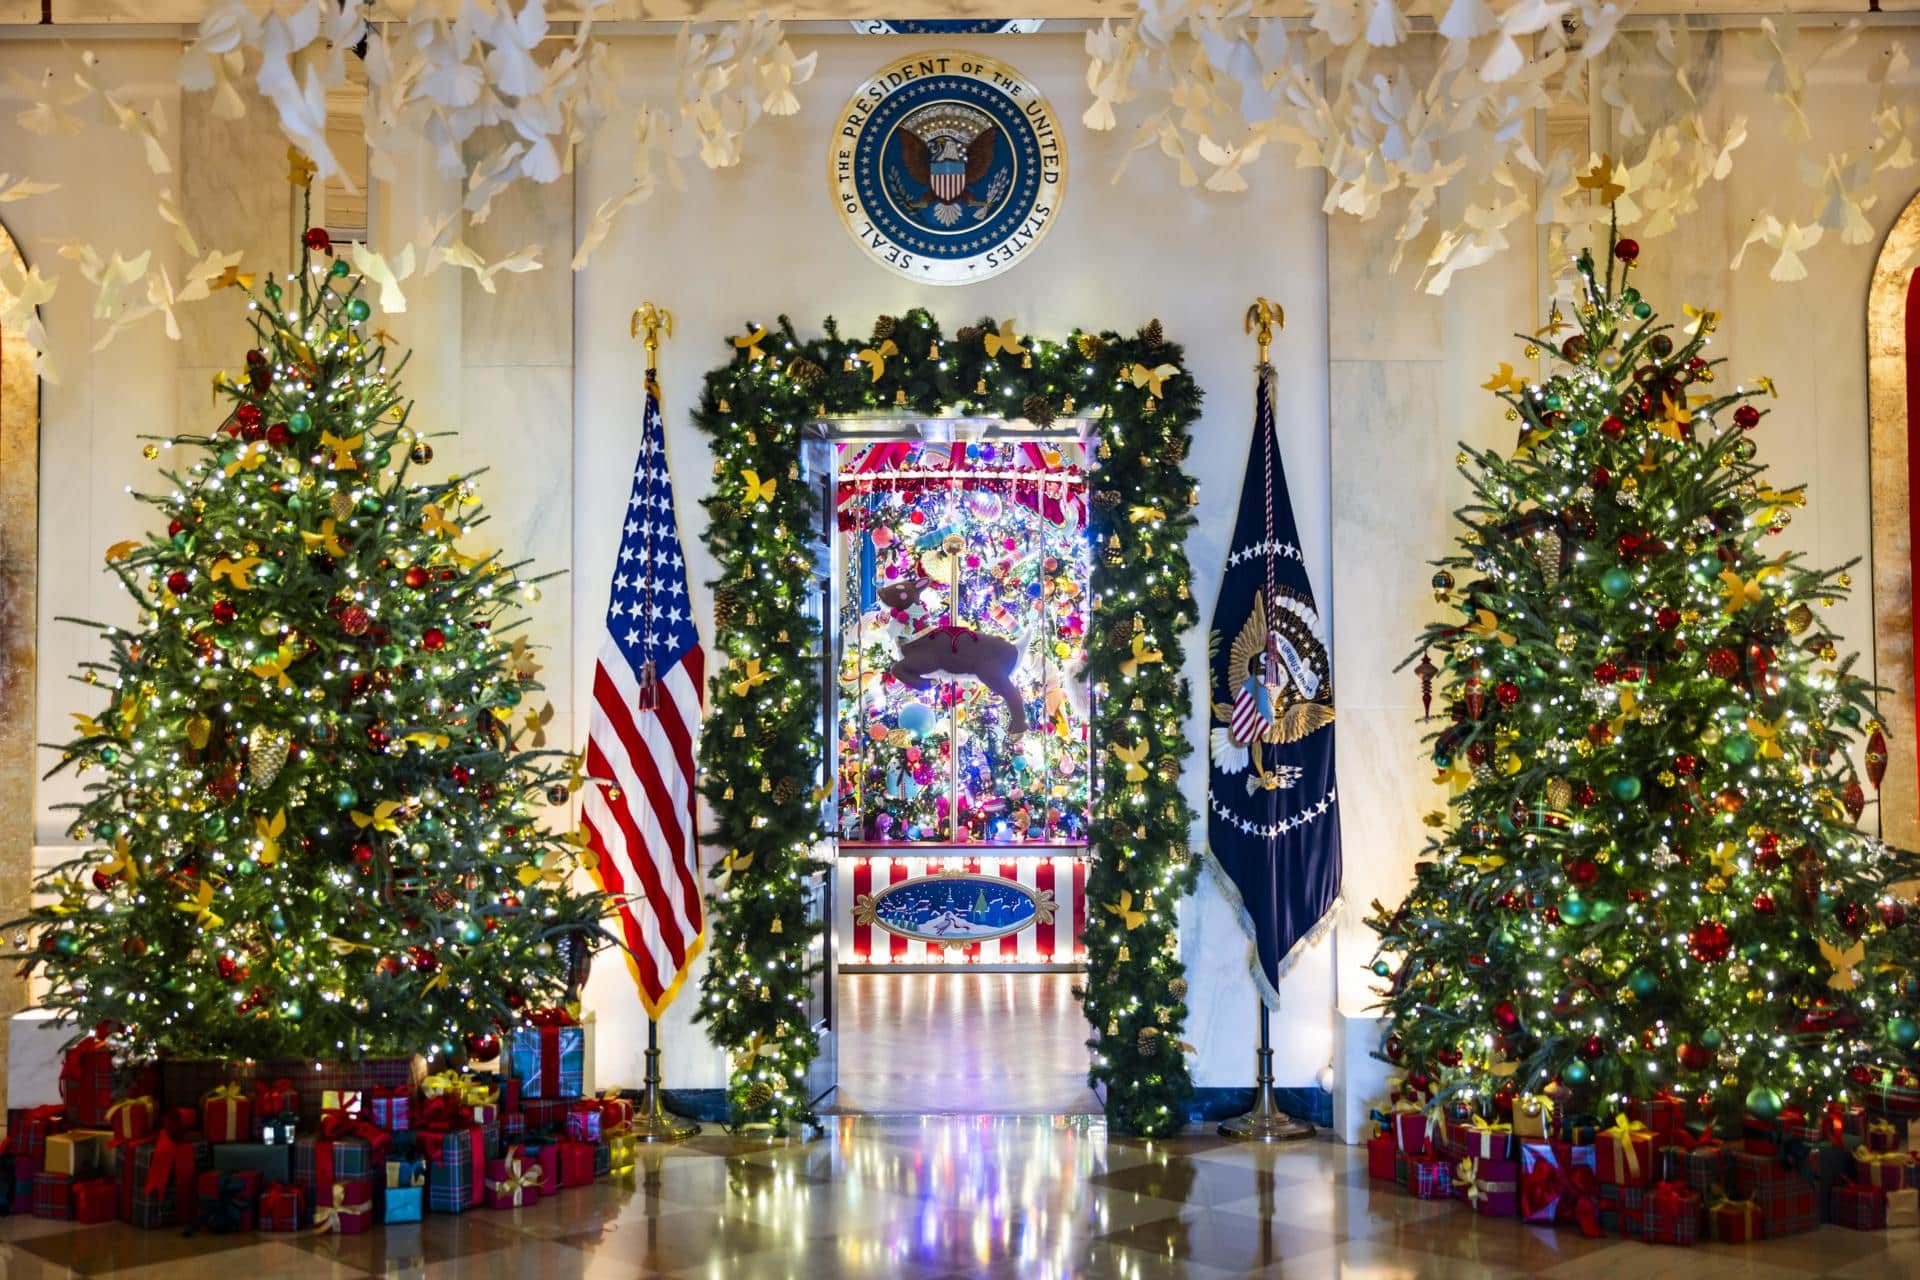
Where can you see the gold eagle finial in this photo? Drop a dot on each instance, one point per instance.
(1263, 317)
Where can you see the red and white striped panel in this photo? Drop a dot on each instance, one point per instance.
(1055, 942)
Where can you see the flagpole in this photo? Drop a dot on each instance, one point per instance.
(653, 1122)
(1266, 1122)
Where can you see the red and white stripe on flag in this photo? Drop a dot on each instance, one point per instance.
(1060, 879)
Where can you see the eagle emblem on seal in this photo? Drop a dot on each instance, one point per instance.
(1279, 689)
(947, 152)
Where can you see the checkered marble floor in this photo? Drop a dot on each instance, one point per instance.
(957, 1196)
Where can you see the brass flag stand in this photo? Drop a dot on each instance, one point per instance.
(1266, 1122)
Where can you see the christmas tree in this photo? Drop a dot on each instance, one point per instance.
(1650, 877)
(314, 829)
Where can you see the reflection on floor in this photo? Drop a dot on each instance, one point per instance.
(961, 1044)
(951, 1197)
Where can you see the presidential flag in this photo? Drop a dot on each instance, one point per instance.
(1273, 825)
(647, 702)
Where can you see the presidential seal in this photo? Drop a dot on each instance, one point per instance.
(948, 167)
(946, 26)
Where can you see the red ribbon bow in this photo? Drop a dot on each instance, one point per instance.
(551, 1018)
(1576, 1190)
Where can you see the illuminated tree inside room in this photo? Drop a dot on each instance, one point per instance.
(310, 826)
(1651, 874)
(962, 701)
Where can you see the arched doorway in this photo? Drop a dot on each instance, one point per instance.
(1893, 372)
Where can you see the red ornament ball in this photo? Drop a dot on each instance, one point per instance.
(1746, 417)
(1605, 673)
(1763, 904)
(424, 959)
(1583, 871)
(1851, 916)
(483, 1046)
(1666, 619)
(417, 577)
(1723, 663)
(1586, 795)
(224, 611)
(354, 620)
(1710, 942)
(247, 415)
(1626, 250)
(433, 639)
(363, 854)
(1695, 1057)
(103, 882)
(317, 240)
(1593, 1048)
(1893, 913)
(1506, 693)
(1612, 428)
(278, 436)
(1600, 477)
(1505, 1016)
(178, 582)
(1685, 765)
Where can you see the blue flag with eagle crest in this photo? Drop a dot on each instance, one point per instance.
(1273, 823)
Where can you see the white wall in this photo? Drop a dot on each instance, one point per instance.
(747, 244)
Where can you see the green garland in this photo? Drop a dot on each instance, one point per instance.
(761, 749)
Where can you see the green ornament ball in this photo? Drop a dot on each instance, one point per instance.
(245, 867)
(345, 797)
(1902, 1032)
(1625, 788)
(358, 310)
(1629, 295)
(278, 920)
(1712, 1038)
(267, 572)
(1442, 760)
(1744, 449)
(392, 654)
(1604, 909)
(1617, 583)
(1643, 982)
(1641, 310)
(1556, 402)
(181, 539)
(1739, 748)
(383, 459)
(1848, 715)
(299, 422)
(1574, 908)
(469, 930)
(1578, 427)
(105, 830)
(108, 755)
(65, 944)
(214, 824)
(272, 291)
(510, 695)
(1380, 969)
(1575, 1073)
(1764, 1102)
(370, 504)
(339, 269)
(1504, 941)
(296, 503)
(291, 1011)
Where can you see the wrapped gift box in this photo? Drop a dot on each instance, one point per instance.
(1623, 1209)
(547, 1154)
(348, 1209)
(1883, 1135)
(1533, 1118)
(1701, 1164)
(1662, 1113)
(75, 1153)
(1733, 1221)
(1410, 1132)
(272, 1099)
(616, 1109)
(132, 1119)
(159, 1184)
(1432, 1178)
(1491, 1187)
(549, 1058)
(1623, 1155)
(353, 1152)
(226, 1114)
(576, 1164)
(1673, 1214)
(52, 1195)
(1882, 1170)
(1836, 1124)
(272, 1161)
(583, 1122)
(456, 1168)
(403, 1204)
(34, 1127)
(1557, 1184)
(1580, 1130)
(513, 1182)
(390, 1108)
(513, 1128)
(86, 1082)
(95, 1200)
(283, 1207)
(1788, 1199)
(624, 1151)
(1859, 1207)
(1484, 1139)
(228, 1200)
(1380, 1154)
(407, 1170)
(603, 1157)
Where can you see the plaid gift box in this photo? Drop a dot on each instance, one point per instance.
(161, 1172)
(1432, 1178)
(544, 1114)
(1836, 1123)
(1623, 1154)
(1623, 1209)
(549, 1057)
(86, 1081)
(1580, 1130)
(227, 1200)
(95, 1200)
(1883, 1135)
(52, 1195)
(345, 1150)
(76, 1152)
(349, 1209)
(390, 1108)
(132, 1119)
(188, 1080)
(1662, 1113)
(1380, 1154)
(1788, 1200)
(1557, 1184)
(404, 1204)
(271, 1160)
(583, 1122)
(1700, 1163)
(1492, 1187)
(1862, 1208)
(1882, 1170)
(513, 1127)
(1672, 1214)
(1403, 1169)
(492, 1140)
(21, 1200)
(1903, 1208)
(513, 1181)
(283, 1207)
(576, 1163)
(34, 1127)
(274, 1098)
(456, 1168)
(226, 1114)
(1733, 1221)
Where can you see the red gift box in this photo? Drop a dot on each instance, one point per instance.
(1881, 1170)
(273, 1099)
(615, 1111)
(1410, 1130)
(283, 1207)
(545, 1113)
(1380, 1153)
(132, 1119)
(1862, 1208)
(1623, 1155)
(349, 1212)
(1882, 1135)
(548, 1157)
(1662, 1113)
(38, 1124)
(1557, 1184)
(229, 1199)
(226, 1114)
(1483, 1139)
(1432, 1178)
(1837, 1124)
(158, 1164)
(513, 1182)
(1789, 1202)
(1672, 1214)
(576, 1164)
(584, 1121)
(52, 1195)
(86, 1081)
(1700, 1162)
(1733, 1221)
(1492, 1187)
(96, 1200)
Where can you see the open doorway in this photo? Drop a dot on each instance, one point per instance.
(960, 772)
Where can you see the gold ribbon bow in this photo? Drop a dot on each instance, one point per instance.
(327, 1217)
(1124, 909)
(1877, 1160)
(145, 1100)
(121, 550)
(1141, 376)
(381, 819)
(121, 861)
(758, 490)
(1699, 319)
(1483, 862)
(1504, 379)
(1745, 1208)
(1741, 593)
(342, 450)
(427, 740)
(1004, 343)
(236, 571)
(1146, 515)
(434, 520)
(754, 677)
(1467, 1174)
(275, 666)
(250, 458)
(441, 1082)
(326, 540)
(1480, 1124)
(1768, 733)
(876, 357)
(1487, 627)
(268, 832)
(518, 1178)
(1679, 419)
(228, 1092)
(750, 343)
(232, 278)
(300, 170)
(199, 905)
(1144, 653)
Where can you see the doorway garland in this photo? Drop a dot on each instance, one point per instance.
(760, 751)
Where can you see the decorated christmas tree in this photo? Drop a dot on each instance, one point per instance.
(1650, 876)
(312, 827)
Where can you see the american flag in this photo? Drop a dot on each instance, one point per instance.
(647, 684)
(1252, 711)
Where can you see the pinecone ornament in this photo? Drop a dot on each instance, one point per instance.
(1153, 335)
(786, 791)
(966, 333)
(341, 504)
(1147, 1041)
(1559, 794)
(805, 372)
(1090, 346)
(1177, 988)
(1106, 499)
(1037, 410)
(759, 1095)
(724, 601)
(883, 328)
(266, 755)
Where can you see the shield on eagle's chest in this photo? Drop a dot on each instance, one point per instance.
(949, 179)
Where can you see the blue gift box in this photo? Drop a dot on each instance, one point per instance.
(527, 1054)
(405, 1204)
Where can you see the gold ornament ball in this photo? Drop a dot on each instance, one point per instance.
(1566, 642)
(151, 452)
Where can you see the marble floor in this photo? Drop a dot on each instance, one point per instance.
(959, 1197)
(962, 1043)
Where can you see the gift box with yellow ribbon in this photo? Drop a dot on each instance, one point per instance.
(513, 1181)
(623, 1151)
(1882, 1135)
(1491, 1187)
(226, 1114)
(1882, 1170)
(1672, 1214)
(1731, 1221)
(348, 1211)
(1410, 1128)
(1623, 1154)
(1662, 1113)
(1486, 1139)
(443, 1082)
(1533, 1117)
(132, 1119)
